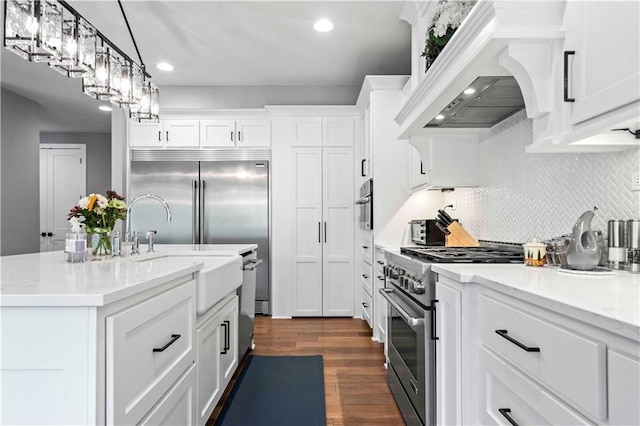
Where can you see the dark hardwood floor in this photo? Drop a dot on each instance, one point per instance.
(356, 391)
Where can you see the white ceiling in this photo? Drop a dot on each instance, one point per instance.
(226, 43)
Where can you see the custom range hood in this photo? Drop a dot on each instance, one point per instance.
(486, 102)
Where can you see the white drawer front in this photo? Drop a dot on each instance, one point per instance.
(366, 278)
(570, 364)
(366, 303)
(505, 392)
(177, 407)
(379, 262)
(366, 249)
(138, 376)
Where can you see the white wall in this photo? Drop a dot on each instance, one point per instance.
(224, 97)
(542, 195)
(20, 170)
(98, 156)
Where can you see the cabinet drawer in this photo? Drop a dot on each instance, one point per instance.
(366, 304)
(365, 277)
(502, 388)
(366, 249)
(570, 364)
(144, 355)
(177, 407)
(379, 261)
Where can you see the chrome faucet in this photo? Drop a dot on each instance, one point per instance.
(135, 200)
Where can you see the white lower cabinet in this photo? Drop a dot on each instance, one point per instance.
(178, 406)
(379, 304)
(623, 382)
(217, 337)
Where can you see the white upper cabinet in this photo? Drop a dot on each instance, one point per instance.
(165, 134)
(239, 133)
(322, 131)
(604, 73)
(417, 174)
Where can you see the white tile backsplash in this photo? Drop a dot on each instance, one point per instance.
(542, 195)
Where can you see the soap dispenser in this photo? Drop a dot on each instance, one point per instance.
(583, 252)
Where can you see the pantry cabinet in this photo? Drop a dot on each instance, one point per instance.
(165, 134)
(322, 231)
(217, 337)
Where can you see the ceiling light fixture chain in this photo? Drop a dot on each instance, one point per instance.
(52, 31)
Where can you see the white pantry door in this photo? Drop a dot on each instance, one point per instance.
(63, 181)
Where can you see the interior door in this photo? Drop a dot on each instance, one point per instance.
(62, 184)
(337, 252)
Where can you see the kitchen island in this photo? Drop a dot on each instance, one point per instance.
(110, 342)
(536, 345)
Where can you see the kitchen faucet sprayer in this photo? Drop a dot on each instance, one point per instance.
(135, 200)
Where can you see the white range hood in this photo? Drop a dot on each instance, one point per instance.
(525, 40)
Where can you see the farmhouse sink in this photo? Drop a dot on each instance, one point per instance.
(220, 276)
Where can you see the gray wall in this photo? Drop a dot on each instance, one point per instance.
(98, 156)
(223, 97)
(20, 169)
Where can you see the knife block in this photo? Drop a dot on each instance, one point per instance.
(459, 237)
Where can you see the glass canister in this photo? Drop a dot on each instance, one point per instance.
(75, 247)
(534, 253)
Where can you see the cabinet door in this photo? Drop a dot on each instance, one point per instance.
(217, 133)
(306, 131)
(209, 381)
(416, 168)
(449, 355)
(145, 135)
(306, 235)
(337, 131)
(181, 133)
(253, 133)
(178, 405)
(624, 388)
(606, 68)
(380, 304)
(229, 337)
(338, 220)
(365, 147)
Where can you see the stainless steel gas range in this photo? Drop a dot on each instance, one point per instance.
(411, 324)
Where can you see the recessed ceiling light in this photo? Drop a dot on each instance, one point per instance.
(439, 117)
(469, 91)
(104, 108)
(164, 66)
(323, 26)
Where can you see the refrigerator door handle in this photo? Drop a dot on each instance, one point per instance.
(202, 230)
(195, 232)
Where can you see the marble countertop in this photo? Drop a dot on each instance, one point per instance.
(45, 279)
(612, 301)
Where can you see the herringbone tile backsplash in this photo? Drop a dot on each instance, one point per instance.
(541, 195)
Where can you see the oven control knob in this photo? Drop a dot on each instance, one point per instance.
(418, 287)
(401, 271)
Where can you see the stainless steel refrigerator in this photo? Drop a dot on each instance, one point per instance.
(216, 197)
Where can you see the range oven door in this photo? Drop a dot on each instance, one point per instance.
(408, 355)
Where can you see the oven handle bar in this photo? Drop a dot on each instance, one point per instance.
(413, 322)
(364, 200)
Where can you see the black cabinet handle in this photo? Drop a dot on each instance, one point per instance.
(364, 305)
(504, 334)
(380, 262)
(49, 234)
(567, 53)
(174, 337)
(319, 232)
(505, 412)
(422, 172)
(226, 326)
(381, 277)
(159, 136)
(365, 247)
(433, 320)
(43, 234)
(365, 276)
(167, 136)
(362, 167)
(325, 232)
(239, 136)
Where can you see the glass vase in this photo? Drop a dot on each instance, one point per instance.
(99, 242)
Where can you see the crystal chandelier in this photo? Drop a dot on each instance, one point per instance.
(53, 32)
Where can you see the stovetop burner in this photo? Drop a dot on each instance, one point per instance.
(465, 254)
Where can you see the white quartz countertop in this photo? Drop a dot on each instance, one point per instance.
(45, 279)
(612, 301)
